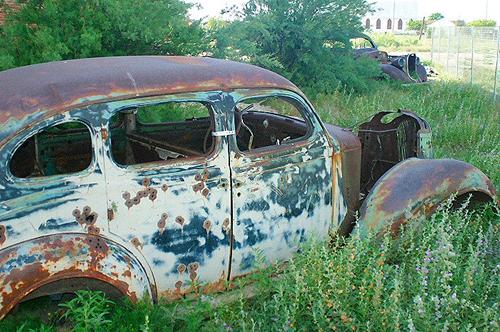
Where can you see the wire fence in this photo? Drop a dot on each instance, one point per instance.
(469, 54)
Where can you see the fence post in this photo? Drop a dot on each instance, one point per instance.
(432, 44)
(458, 48)
(496, 67)
(439, 46)
(472, 55)
(448, 50)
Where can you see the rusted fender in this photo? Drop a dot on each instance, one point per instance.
(27, 266)
(417, 187)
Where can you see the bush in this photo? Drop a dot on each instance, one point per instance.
(49, 30)
(306, 41)
(483, 23)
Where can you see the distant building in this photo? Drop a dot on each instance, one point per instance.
(443, 23)
(391, 16)
(11, 4)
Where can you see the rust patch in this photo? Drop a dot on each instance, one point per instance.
(153, 195)
(164, 187)
(137, 243)
(85, 217)
(178, 286)
(181, 268)
(207, 225)
(205, 192)
(111, 214)
(180, 220)
(23, 280)
(146, 182)
(104, 134)
(226, 225)
(93, 230)
(162, 223)
(3, 236)
(198, 187)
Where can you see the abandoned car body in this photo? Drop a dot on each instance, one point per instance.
(406, 68)
(157, 176)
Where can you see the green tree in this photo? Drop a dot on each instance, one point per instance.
(48, 30)
(483, 23)
(415, 25)
(304, 40)
(436, 17)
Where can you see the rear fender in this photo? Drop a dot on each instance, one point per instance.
(416, 187)
(30, 265)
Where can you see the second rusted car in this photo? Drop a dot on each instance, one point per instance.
(157, 176)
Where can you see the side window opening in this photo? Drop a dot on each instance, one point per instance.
(269, 121)
(161, 132)
(61, 149)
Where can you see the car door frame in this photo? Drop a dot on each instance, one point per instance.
(173, 274)
(56, 197)
(273, 246)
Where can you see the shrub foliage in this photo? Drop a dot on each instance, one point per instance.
(48, 30)
(304, 40)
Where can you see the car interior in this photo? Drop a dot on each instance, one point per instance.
(60, 149)
(268, 121)
(154, 133)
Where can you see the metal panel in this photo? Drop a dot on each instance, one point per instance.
(282, 195)
(174, 213)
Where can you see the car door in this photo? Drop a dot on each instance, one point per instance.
(167, 175)
(282, 181)
(51, 179)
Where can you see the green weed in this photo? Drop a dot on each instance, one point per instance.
(88, 311)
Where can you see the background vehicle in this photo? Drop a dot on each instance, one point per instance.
(406, 68)
(157, 176)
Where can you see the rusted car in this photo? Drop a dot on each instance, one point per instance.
(160, 176)
(406, 68)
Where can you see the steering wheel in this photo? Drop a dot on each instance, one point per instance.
(207, 136)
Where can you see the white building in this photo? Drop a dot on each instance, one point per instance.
(391, 16)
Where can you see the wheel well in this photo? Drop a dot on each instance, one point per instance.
(476, 198)
(71, 285)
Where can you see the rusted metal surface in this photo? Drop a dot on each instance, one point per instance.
(27, 266)
(387, 142)
(349, 156)
(32, 93)
(416, 187)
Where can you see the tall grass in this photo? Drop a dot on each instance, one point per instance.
(441, 274)
(465, 120)
(401, 43)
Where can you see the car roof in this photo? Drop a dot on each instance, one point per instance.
(55, 87)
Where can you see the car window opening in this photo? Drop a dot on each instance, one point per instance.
(268, 121)
(162, 132)
(62, 149)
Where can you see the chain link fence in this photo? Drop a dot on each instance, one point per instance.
(469, 54)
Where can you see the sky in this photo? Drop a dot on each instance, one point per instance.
(467, 10)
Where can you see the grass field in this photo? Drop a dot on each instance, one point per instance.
(441, 274)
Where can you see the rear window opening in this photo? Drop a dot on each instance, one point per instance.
(62, 149)
(169, 131)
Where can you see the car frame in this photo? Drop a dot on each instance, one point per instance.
(405, 68)
(182, 225)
